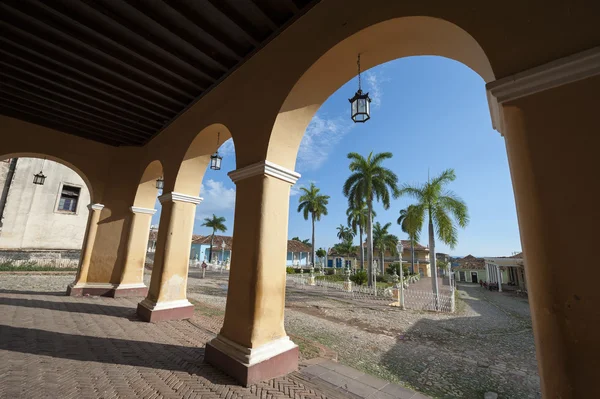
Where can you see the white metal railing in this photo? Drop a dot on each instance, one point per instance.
(413, 299)
(55, 263)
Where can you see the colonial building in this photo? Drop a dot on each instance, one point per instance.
(298, 253)
(201, 248)
(509, 270)
(41, 220)
(421, 259)
(471, 269)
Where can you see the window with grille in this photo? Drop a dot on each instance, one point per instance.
(69, 197)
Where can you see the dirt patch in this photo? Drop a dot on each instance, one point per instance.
(354, 322)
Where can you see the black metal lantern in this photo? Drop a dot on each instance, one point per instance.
(360, 104)
(39, 179)
(215, 159)
(160, 183)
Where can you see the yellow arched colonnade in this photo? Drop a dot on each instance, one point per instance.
(542, 85)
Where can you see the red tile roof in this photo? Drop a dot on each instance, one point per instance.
(297, 246)
(406, 244)
(216, 243)
(470, 262)
(292, 245)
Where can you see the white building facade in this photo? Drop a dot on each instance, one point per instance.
(48, 217)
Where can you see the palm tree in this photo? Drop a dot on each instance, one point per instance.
(344, 248)
(382, 240)
(370, 181)
(358, 215)
(441, 206)
(411, 222)
(216, 224)
(314, 204)
(345, 233)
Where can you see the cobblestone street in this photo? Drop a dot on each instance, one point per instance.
(486, 346)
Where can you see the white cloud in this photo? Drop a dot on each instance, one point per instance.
(227, 148)
(295, 190)
(217, 199)
(374, 82)
(321, 135)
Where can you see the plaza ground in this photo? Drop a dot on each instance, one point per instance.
(486, 346)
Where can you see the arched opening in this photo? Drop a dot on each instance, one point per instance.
(177, 247)
(42, 226)
(197, 174)
(377, 44)
(418, 36)
(144, 225)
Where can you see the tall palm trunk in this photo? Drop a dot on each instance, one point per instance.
(434, 280)
(362, 248)
(412, 255)
(370, 244)
(212, 242)
(313, 240)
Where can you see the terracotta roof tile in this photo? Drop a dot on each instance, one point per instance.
(216, 243)
(470, 262)
(297, 246)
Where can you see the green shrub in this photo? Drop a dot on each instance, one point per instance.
(290, 270)
(396, 266)
(330, 271)
(360, 277)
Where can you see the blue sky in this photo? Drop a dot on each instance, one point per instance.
(432, 114)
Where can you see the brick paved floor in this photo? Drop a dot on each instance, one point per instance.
(53, 346)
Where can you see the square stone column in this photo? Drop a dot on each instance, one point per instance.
(132, 276)
(167, 299)
(80, 286)
(253, 345)
(549, 118)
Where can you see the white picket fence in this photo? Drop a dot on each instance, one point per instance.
(413, 299)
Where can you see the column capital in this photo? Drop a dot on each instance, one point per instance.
(556, 73)
(178, 197)
(149, 211)
(95, 207)
(265, 168)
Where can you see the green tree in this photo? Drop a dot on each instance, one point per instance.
(216, 223)
(382, 240)
(441, 206)
(321, 254)
(312, 203)
(344, 233)
(411, 222)
(370, 181)
(345, 248)
(358, 215)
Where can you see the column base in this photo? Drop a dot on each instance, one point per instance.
(107, 289)
(130, 290)
(252, 365)
(173, 310)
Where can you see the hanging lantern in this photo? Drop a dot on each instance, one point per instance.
(215, 159)
(360, 104)
(160, 183)
(39, 179)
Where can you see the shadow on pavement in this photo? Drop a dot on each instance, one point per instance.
(110, 350)
(74, 307)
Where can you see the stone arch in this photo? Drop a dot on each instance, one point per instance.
(145, 196)
(69, 165)
(197, 157)
(377, 44)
